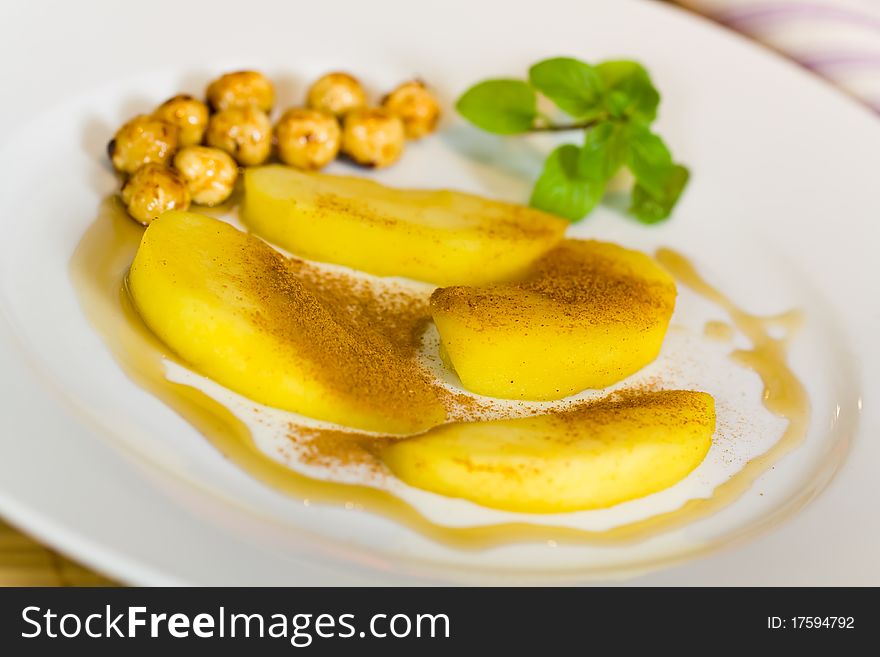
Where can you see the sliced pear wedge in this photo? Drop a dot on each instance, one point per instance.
(591, 458)
(239, 312)
(439, 236)
(586, 315)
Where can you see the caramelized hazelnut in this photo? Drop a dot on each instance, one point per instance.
(243, 132)
(336, 93)
(373, 137)
(209, 173)
(415, 106)
(152, 190)
(241, 89)
(189, 114)
(307, 139)
(142, 140)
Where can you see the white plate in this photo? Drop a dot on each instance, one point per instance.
(782, 211)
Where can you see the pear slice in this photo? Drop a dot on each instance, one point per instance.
(239, 312)
(439, 236)
(590, 458)
(587, 315)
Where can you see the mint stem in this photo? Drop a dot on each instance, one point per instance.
(565, 127)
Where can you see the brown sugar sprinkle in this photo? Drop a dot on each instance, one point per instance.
(664, 408)
(590, 281)
(333, 448)
(463, 407)
(360, 338)
(508, 221)
(400, 314)
(357, 340)
(331, 203)
(363, 338)
(515, 222)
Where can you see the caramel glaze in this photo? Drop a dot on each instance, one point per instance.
(721, 331)
(98, 269)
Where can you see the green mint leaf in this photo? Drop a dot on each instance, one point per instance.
(505, 107)
(649, 208)
(629, 91)
(649, 159)
(605, 150)
(562, 189)
(573, 85)
(615, 102)
(659, 181)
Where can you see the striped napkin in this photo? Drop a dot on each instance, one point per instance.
(837, 39)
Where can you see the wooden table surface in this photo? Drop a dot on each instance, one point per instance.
(24, 562)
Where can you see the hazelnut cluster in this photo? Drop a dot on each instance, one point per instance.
(189, 151)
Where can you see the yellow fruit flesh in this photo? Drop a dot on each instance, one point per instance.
(591, 458)
(587, 315)
(443, 237)
(235, 309)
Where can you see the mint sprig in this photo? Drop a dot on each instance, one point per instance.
(615, 103)
(575, 87)
(505, 107)
(563, 189)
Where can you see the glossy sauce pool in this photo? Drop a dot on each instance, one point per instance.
(98, 270)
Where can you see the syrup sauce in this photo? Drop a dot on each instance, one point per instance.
(721, 331)
(98, 268)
